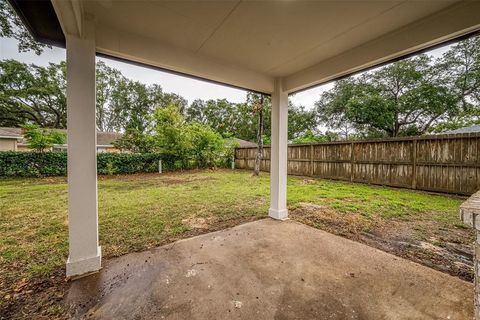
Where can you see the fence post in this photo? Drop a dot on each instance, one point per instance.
(351, 161)
(311, 160)
(414, 163)
(159, 166)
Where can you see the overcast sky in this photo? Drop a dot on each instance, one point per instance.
(190, 89)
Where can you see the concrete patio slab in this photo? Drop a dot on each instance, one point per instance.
(268, 270)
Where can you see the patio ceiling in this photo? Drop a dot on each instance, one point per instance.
(249, 43)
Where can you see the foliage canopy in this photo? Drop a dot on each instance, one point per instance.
(41, 139)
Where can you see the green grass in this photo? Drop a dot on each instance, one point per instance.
(142, 211)
(373, 201)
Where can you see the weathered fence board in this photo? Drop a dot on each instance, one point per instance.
(442, 163)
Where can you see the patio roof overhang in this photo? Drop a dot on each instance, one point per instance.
(248, 44)
(273, 47)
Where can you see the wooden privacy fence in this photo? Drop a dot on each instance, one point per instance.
(441, 163)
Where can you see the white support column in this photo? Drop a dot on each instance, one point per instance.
(84, 251)
(278, 153)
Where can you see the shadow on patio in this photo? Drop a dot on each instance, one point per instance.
(268, 270)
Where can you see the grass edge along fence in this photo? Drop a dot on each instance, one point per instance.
(35, 164)
(440, 163)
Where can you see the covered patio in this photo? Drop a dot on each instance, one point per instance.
(276, 48)
(285, 270)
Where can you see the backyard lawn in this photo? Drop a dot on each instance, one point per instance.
(137, 212)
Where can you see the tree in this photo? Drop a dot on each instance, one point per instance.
(459, 67)
(219, 114)
(331, 107)
(32, 94)
(196, 111)
(404, 98)
(135, 141)
(237, 119)
(170, 135)
(179, 141)
(11, 26)
(247, 122)
(206, 145)
(311, 136)
(138, 104)
(111, 92)
(37, 95)
(168, 99)
(40, 139)
(300, 121)
(229, 119)
(123, 104)
(257, 102)
(462, 119)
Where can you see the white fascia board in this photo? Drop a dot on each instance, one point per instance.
(70, 16)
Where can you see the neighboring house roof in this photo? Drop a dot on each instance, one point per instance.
(103, 138)
(471, 129)
(245, 143)
(10, 133)
(107, 138)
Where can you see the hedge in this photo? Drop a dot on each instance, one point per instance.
(35, 164)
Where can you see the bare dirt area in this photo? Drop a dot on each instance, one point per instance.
(445, 248)
(39, 298)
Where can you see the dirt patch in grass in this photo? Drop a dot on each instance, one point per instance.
(174, 175)
(175, 180)
(349, 225)
(151, 179)
(444, 247)
(199, 226)
(447, 249)
(38, 298)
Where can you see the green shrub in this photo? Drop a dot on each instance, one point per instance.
(40, 139)
(34, 164)
(207, 145)
(122, 163)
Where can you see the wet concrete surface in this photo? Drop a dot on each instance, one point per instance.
(268, 270)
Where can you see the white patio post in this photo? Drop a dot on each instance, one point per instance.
(278, 153)
(84, 251)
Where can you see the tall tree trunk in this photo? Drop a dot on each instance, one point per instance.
(259, 155)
